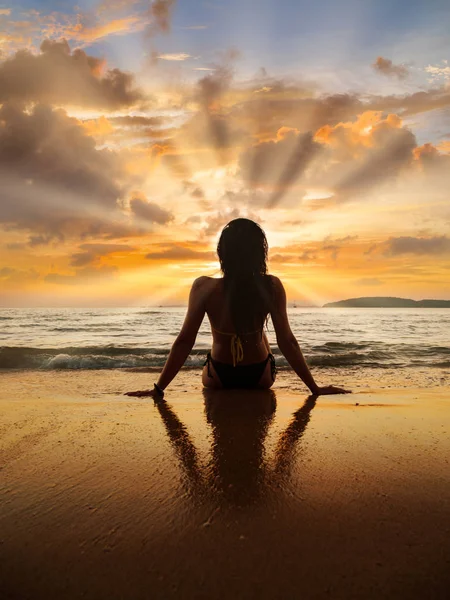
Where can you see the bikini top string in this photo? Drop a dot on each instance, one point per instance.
(237, 350)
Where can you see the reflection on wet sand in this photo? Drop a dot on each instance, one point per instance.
(238, 473)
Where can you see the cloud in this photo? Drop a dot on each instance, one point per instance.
(291, 106)
(412, 104)
(139, 120)
(5, 12)
(305, 256)
(368, 281)
(198, 193)
(180, 56)
(365, 153)
(149, 211)
(278, 163)
(214, 223)
(432, 161)
(336, 245)
(100, 127)
(387, 67)
(181, 253)
(58, 75)
(11, 275)
(87, 275)
(210, 126)
(160, 13)
(89, 34)
(435, 245)
(55, 183)
(444, 146)
(92, 252)
(439, 72)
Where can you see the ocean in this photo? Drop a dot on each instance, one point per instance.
(405, 345)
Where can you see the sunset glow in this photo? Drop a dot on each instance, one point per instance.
(131, 132)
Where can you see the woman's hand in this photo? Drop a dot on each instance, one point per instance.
(328, 390)
(144, 393)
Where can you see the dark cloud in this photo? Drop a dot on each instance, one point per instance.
(303, 153)
(58, 75)
(208, 130)
(337, 244)
(307, 255)
(211, 126)
(432, 161)
(387, 67)
(264, 114)
(197, 193)
(392, 150)
(279, 163)
(149, 211)
(211, 88)
(361, 154)
(411, 104)
(54, 181)
(281, 257)
(92, 252)
(435, 245)
(193, 189)
(139, 121)
(160, 12)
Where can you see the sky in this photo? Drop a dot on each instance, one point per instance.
(132, 131)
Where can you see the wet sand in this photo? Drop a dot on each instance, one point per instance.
(225, 495)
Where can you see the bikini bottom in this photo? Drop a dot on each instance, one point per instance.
(240, 376)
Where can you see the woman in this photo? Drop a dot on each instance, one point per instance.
(238, 306)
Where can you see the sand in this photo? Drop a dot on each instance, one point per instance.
(234, 495)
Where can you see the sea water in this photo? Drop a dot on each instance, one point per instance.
(413, 342)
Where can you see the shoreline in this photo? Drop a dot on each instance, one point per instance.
(226, 494)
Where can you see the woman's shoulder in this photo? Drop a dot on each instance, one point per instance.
(205, 284)
(205, 280)
(274, 280)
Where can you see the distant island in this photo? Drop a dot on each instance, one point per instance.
(387, 302)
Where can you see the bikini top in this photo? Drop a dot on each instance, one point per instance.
(237, 350)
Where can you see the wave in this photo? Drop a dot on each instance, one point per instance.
(327, 355)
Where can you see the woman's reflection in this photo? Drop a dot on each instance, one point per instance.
(238, 472)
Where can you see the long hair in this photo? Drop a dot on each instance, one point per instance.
(242, 251)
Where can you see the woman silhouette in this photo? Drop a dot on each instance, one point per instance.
(238, 306)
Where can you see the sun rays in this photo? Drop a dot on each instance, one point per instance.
(119, 168)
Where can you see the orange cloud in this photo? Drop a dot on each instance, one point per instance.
(426, 150)
(353, 134)
(444, 146)
(100, 127)
(81, 33)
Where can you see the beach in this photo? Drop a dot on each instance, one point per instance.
(259, 494)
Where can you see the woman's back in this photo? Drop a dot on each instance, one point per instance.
(252, 337)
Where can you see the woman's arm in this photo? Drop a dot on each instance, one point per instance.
(288, 344)
(185, 340)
